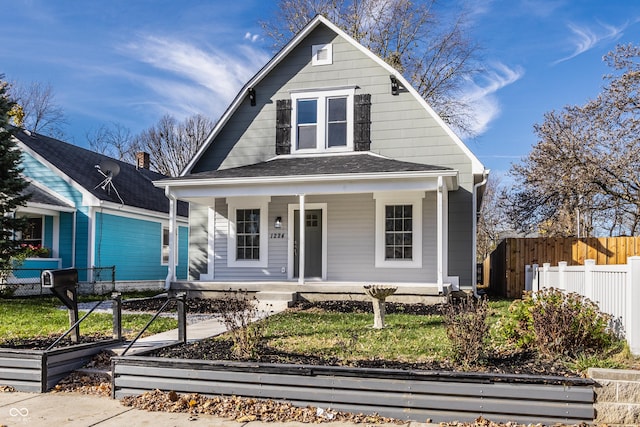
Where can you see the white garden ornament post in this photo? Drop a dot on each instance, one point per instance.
(379, 294)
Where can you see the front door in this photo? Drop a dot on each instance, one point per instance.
(313, 243)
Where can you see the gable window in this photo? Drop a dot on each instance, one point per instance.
(398, 230)
(247, 240)
(322, 121)
(321, 54)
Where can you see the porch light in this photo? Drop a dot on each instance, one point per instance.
(278, 223)
(252, 97)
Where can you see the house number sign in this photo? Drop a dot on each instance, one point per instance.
(277, 236)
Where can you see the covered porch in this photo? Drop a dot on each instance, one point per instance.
(317, 226)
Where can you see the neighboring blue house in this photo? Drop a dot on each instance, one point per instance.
(89, 210)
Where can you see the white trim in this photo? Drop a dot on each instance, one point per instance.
(143, 215)
(91, 219)
(316, 48)
(405, 198)
(476, 165)
(234, 203)
(322, 97)
(290, 233)
(211, 243)
(55, 237)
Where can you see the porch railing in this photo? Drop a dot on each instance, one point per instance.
(615, 288)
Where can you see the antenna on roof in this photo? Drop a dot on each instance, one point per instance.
(109, 170)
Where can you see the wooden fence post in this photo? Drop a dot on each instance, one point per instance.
(632, 321)
(588, 278)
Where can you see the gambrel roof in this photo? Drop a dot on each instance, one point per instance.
(476, 166)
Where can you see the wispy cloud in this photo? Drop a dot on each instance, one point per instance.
(585, 38)
(251, 37)
(481, 94)
(194, 79)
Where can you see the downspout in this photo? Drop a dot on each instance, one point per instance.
(474, 244)
(171, 268)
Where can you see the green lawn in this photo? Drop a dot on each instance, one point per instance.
(40, 316)
(350, 336)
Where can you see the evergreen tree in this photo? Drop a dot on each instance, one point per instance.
(12, 184)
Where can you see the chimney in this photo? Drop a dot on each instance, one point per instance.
(142, 160)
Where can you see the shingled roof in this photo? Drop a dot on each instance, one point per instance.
(362, 163)
(38, 195)
(134, 185)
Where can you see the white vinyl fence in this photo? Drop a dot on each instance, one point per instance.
(615, 288)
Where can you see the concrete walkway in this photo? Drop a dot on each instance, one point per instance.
(79, 410)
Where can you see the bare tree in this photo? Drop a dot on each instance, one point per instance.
(432, 52)
(582, 175)
(42, 114)
(114, 140)
(492, 223)
(173, 144)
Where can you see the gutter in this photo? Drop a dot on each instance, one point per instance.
(474, 244)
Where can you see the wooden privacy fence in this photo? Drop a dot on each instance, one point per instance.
(504, 270)
(615, 288)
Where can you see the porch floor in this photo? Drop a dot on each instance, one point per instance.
(426, 293)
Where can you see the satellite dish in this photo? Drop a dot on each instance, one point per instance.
(109, 169)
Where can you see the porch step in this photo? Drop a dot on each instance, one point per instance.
(271, 301)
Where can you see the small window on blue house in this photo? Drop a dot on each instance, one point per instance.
(32, 234)
(165, 246)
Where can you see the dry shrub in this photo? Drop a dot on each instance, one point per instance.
(467, 329)
(557, 323)
(238, 313)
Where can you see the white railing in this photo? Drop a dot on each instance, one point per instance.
(615, 288)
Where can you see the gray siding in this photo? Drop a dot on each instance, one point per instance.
(350, 242)
(198, 240)
(401, 128)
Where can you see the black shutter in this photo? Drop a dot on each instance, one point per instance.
(362, 122)
(283, 126)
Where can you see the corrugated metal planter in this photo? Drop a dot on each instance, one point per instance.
(40, 370)
(411, 395)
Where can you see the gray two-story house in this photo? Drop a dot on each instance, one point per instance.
(329, 171)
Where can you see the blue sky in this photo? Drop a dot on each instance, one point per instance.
(131, 61)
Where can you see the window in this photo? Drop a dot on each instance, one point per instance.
(398, 230)
(165, 246)
(321, 54)
(323, 121)
(32, 234)
(248, 233)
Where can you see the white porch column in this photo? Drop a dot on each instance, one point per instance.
(301, 251)
(441, 237)
(171, 268)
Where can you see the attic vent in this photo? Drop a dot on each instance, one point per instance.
(322, 54)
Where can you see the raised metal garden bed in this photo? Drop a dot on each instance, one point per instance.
(410, 395)
(40, 370)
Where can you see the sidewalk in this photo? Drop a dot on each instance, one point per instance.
(80, 410)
